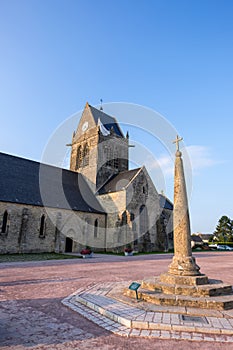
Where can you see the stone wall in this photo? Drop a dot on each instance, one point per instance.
(135, 217)
(114, 204)
(38, 229)
(144, 209)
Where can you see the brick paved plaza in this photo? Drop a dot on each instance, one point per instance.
(33, 317)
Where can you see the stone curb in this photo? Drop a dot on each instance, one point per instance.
(127, 325)
(143, 325)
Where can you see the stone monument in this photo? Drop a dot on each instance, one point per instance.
(183, 269)
(184, 284)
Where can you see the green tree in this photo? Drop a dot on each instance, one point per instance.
(224, 229)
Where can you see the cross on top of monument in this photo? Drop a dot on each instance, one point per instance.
(176, 141)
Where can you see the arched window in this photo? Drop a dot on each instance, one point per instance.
(86, 230)
(79, 158)
(132, 221)
(96, 228)
(85, 227)
(116, 163)
(4, 222)
(42, 226)
(86, 155)
(143, 219)
(145, 189)
(124, 218)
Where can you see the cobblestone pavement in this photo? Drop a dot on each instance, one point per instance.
(33, 317)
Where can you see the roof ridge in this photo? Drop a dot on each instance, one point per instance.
(139, 169)
(127, 171)
(108, 179)
(107, 120)
(164, 196)
(109, 185)
(36, 162)
(100, 111)
(111, 177)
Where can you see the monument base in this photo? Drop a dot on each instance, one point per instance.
(184, 266)
(187, 291)
(224, 302)
(196, 287)
(184, 280)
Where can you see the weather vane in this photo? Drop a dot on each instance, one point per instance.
(101, 104)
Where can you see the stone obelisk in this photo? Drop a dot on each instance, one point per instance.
(183, 284)
(183, 262)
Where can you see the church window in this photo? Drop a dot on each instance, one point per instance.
(145, 189)
(42, 226)
(79, 158)
(109, 156)
(96, 228)
(116, 163)
(85, 227)
(143, 219)
(132, 217)
(4, 222)
(86, 155)
(124, 218)
(86, 230)
(116, 160)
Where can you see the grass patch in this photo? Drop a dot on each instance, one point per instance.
(35, 257)
(153, 253)
(108, 253)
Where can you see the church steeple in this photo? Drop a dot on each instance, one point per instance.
(99, 148)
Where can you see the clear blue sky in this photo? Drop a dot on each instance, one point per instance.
(172, 56)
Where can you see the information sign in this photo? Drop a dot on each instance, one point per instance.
(134, 286)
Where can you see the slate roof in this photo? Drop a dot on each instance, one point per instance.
(29, 182)
(196, 239)
(165, 202)
(118, 182)
(108, 121)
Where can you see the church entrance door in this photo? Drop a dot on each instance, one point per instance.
(69, 245)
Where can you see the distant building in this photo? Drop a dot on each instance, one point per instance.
(205, 236)
(99, 202)
(196, 241)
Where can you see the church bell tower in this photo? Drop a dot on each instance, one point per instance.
(99, 148)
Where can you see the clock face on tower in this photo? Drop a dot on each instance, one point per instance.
(85, 126)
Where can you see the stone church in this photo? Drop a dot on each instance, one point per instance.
(99, 202)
